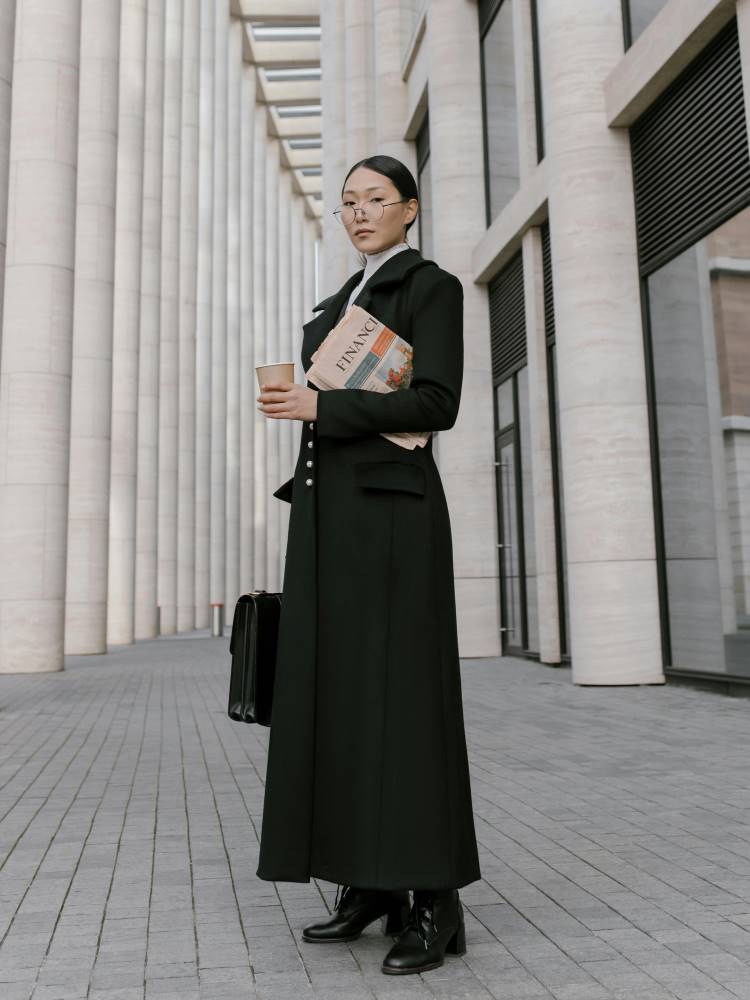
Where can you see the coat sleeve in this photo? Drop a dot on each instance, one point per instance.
(431, 401)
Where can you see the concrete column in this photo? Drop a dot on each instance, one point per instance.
(125, 324)
(604, 432)
(35, 362)
(262, 500)
(539, 475)
(93, 298)
(7, 33)
(542, 495)
(743, 30)
(284, 347)
(204, 292)
(467, 450)
(219, 310)
(737, 427)
(189, 180)
(248, 382)
(273, 466)
(310, 297)
(391, 93)
(360, 85)
(148, 353)
(169, 355)
(232, 541)
(293, 346)
(340, 256)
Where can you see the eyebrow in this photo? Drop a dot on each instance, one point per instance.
(378, 187)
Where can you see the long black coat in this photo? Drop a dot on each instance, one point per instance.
(367, 781)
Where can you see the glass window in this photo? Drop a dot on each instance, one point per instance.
(518, 580)
(562, 562)
(698, 306)
(424, 217)
(504, 403)
(638, 15)
(501, 117)
(527, 521)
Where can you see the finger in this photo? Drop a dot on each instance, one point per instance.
(275, 408)
(283, 386)
(272, 397)
(281, 415)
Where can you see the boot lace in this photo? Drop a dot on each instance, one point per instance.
(421, 919)
(340, 892)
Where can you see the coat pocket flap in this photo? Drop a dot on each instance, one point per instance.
(284, 492)
(390, 475)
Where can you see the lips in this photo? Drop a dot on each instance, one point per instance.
(363, 232)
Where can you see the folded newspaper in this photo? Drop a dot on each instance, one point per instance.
(360, 352)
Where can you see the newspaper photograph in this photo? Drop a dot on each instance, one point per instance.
(360, 352)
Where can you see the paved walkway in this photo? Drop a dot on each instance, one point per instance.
(614, 830)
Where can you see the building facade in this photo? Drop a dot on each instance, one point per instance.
(584, 169)
(158, 240)
(169, 171)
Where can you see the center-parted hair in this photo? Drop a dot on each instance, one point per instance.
(397, 172)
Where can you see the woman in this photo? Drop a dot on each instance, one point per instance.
(367, 781)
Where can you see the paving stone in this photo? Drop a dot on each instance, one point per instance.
(613, 853)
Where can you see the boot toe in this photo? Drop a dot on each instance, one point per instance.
(320, 935)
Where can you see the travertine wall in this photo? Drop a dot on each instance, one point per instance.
(140, 287)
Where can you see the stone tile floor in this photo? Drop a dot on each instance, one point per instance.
(613, 823)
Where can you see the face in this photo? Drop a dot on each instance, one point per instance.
(368, 235)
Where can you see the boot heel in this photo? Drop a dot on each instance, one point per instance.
(457, 944)
(394, 921)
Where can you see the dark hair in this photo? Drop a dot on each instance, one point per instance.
(396, 171)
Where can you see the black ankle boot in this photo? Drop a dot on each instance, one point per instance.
(355, 909)
(435, 926)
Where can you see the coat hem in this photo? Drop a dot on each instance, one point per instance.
(342, 878)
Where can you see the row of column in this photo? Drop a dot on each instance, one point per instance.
(368, 107)
(153, 251)
(604, 434)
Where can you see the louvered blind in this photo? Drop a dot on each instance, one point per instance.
(549, 302)
(691, 167)
(507, 320)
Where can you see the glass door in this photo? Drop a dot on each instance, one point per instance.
(510, 550)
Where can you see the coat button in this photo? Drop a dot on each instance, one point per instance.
(309, 444)
(308, 482)
(309, 463)
(311, 425)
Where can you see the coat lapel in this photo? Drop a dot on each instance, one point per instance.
(392, 272)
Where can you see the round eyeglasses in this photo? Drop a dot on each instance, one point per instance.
(346, 214)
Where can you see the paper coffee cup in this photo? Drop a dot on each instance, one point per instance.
(281, 371)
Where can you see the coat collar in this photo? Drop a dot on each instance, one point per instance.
(391, 272)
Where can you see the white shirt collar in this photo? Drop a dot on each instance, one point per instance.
(374, 260)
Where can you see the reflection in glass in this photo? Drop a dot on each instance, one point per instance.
(563, 561)
(424, 217)
(504, 393)
(501, 122)
(527, 516)
(699, 303)
(642, 13)
(511, 576)
(518, 541)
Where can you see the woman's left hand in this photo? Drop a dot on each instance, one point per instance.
(289, 401)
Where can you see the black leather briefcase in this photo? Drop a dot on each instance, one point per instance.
(252, 646)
